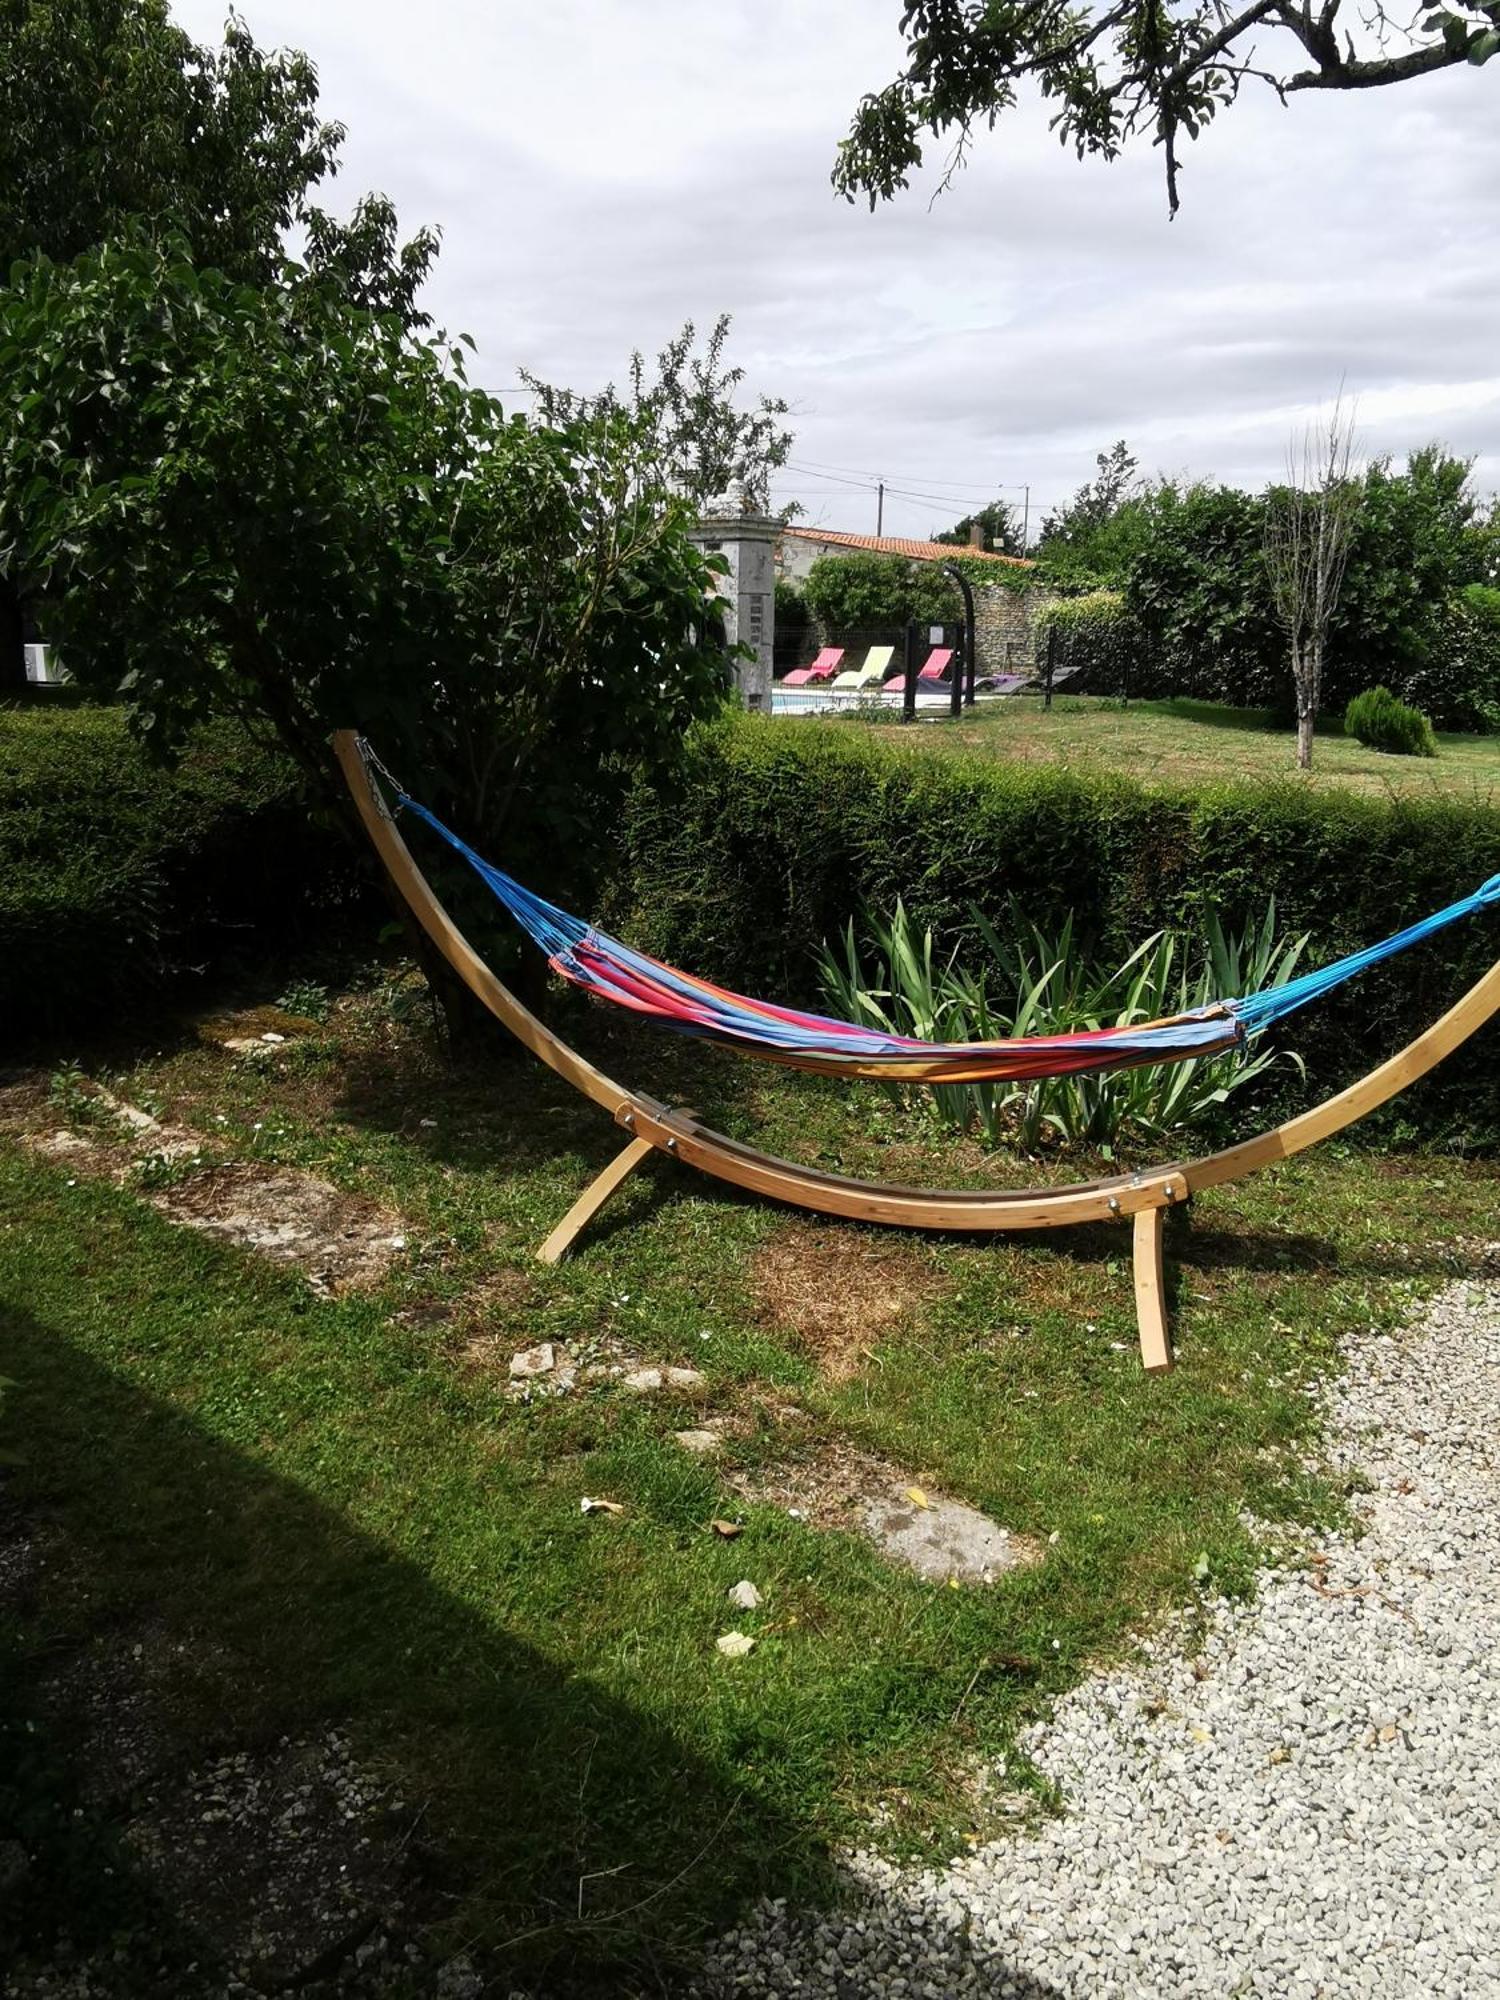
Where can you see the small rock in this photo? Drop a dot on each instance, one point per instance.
(735, 1645)
(745, 1596)
(699, 1442)
(642, 1380)
(533, 1361)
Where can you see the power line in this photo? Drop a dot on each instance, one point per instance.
(928, 479)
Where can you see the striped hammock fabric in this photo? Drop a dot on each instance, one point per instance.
(603, 966)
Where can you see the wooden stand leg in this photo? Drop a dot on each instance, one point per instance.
(1150, 1294)
(593, 1198)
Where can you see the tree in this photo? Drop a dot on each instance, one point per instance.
(1097, 500)
(108, 112)
(1000, 531)
(111, 117)
(265, 501)
(874, 593)
(699, 441)
(1091, 540)
(1121, 70)
(1308, 526)
(1196, 586)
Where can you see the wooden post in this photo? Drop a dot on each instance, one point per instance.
(1150, 1293)
(593, 1198)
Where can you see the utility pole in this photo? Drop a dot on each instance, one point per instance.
(1026, 519)
(880, 508)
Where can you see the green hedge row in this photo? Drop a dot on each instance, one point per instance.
(116, 876)
(784, 832)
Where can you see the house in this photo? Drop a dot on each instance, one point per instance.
(801, 547)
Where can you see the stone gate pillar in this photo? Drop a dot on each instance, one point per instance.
(747, 594)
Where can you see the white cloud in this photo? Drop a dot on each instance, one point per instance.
(601, 172)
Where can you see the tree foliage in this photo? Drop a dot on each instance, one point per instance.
(698, 440)
(108, 111)
(1091, 540)
(1000, 530)
(875, 593)
(1116, 71)
(1197, 585)
(265, 501)
(112, 121)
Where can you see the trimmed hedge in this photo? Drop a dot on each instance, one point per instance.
(118, 876)
(784, 833)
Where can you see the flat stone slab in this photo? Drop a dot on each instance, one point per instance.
(338, 1241)
(945, 1539)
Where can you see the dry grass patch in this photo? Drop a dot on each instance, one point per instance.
(251, 1024)
(838, 1291)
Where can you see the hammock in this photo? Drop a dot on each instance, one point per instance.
(602, 965)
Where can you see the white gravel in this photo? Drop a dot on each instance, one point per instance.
(1310, 1808)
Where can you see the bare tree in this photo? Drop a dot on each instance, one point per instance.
(1309, 522)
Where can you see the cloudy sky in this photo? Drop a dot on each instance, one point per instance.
(603, 171)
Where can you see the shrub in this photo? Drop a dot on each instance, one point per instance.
(791, 604)
(1098, 633)
(875, 593)
(1383, 723)
(783, 831)
(117, 876)
(1028, 982)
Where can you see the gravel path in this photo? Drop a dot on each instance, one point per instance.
(1312, 1808)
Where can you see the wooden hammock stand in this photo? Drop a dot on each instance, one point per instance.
(653, 1127)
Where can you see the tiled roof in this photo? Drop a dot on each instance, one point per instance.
(898, 545)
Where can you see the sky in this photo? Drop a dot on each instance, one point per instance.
(602, 172)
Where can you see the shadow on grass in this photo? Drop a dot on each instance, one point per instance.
(541, 1795)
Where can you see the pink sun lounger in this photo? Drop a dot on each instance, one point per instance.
(936, 669)
(822, 668)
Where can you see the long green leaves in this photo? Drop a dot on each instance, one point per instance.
(1027, 982)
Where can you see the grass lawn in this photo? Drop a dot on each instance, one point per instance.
(1192, 742)
(334, 1510)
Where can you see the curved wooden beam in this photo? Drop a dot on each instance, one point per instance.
(684, 1138)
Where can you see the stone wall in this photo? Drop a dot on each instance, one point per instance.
(1005, 627)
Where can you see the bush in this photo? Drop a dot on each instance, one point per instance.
(1099, 634)
(1383, 723)
(871, 592)
(784, 834)
(1028, 983)
(117, 876)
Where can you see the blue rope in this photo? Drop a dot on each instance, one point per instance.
(1260, 1010)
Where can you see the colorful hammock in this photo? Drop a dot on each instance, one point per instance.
(602, 965)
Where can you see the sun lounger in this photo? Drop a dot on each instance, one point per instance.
(877, 665)
(936, 669)
(823, 666)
